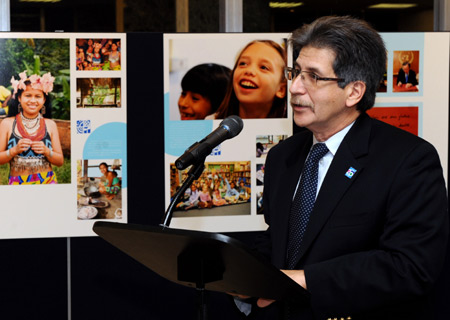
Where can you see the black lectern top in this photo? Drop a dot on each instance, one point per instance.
(206, 260)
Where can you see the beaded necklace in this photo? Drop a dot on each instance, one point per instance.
(27, 129)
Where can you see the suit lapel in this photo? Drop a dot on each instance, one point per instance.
(344, 170)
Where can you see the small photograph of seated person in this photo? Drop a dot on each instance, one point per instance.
(265, 142)
(99, 184)
(407, 77)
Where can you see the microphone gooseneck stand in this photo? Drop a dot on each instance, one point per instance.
(194, 173)
(192, 267)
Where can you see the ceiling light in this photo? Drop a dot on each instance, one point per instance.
(393, 6)
(285, 5)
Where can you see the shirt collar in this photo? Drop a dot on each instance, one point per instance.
(335, 140)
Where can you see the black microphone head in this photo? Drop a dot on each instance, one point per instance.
(233, 124)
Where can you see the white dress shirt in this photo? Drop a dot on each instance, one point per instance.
(332, 144)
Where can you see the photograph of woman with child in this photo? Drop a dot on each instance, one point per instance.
(223, 188)
(98, 54)
(247, 77)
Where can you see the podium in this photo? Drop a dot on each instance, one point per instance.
(202, 260)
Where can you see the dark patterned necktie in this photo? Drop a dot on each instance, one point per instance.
(303, 203)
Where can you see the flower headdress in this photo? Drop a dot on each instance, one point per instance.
(44, 83)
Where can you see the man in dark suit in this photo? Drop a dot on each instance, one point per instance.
(406, 76)
(376, 238)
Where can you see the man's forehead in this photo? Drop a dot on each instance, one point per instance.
(315, 58)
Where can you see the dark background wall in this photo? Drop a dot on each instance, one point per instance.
(105, 283)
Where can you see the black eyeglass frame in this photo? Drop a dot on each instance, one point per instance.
(296, 72)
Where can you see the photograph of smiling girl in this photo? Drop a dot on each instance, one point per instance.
(35, 134)
(232, 76)
(258, 87)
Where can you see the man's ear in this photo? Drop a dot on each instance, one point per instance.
(355, 92)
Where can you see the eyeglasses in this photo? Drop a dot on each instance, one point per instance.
(309, 79)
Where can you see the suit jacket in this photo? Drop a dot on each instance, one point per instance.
(411, 77)
(376, 240)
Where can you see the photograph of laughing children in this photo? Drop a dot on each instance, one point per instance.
(255, 88)
(98, 54)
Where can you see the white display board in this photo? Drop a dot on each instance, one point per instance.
(234, 159)
(91, 99)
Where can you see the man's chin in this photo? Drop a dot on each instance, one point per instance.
(301, 119)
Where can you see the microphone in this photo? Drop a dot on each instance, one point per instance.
(228, 128)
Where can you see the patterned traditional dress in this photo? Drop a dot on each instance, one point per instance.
(30, 161)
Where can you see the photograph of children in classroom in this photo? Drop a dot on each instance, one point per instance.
(98, 54)
(265, 142)
(247, 75)
(224, 188)
(98, 93)
(99, 184)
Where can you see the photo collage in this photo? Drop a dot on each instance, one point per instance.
(62, 131)
(99, 70)
(240, 75)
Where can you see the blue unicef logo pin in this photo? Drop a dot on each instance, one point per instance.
(350, 172)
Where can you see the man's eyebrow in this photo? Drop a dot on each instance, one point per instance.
(310, 69)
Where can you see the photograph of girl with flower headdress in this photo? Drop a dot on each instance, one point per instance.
(30, 140)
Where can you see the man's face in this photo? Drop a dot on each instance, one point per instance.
(321, 108)
(406, 68)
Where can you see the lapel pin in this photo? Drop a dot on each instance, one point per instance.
(350, 172)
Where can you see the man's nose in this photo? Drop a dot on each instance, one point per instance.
(297, 86)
